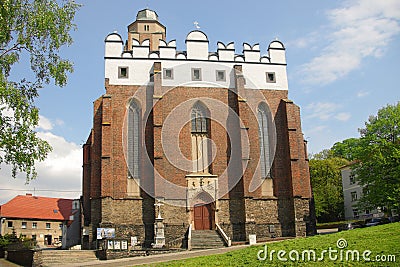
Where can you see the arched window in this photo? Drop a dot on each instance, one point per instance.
(133, 140)
(263, 135)
(200, 135)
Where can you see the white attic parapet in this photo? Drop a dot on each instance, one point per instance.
(180, 55)
(113, 45)
(213, 57)
(167, 50)
(251, 53)
(142, 50)
(226, 52)
(197, 45)
(277, 53)
(154, 54)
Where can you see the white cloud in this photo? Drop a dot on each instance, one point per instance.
(325, 111)
(316, 130)
(321, 110)
(359, 29)
(361, 94)
(45, 123)
(61, 171)
(343, 116)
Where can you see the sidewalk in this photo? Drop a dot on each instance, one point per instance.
(152, 259)
(6, 263)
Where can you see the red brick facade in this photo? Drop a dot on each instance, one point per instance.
(242, 210)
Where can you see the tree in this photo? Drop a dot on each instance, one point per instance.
(326, 182)
(347, 149)
(378, 166)
(37, 29)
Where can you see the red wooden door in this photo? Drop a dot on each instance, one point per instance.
(203, 217)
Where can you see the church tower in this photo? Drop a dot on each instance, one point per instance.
(146, 26)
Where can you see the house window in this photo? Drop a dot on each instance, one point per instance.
(133, 140)
(34, 225)
(123, 72)
(152, 77)
(354, 196)
(263, 135)
(352, 179)
(168, 74)
(23, 225)
(196, 74)
(270, 77)
(220, 75)
(9, 224)
(48, 225)
(355, 213)
(147, 28)
(60, 226)
(34, 237)
(200, 139)
(367, 211)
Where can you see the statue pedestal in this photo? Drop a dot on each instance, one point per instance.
(159, 233)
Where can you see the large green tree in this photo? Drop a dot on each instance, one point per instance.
(378, 166)
(34, 30)
(326, 182)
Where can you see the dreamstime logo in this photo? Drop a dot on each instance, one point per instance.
(333, 254)
(165, 113)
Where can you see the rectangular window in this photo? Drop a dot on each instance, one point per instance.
(60, 226)
(354, 196)
(270, 77)
(352, 179)
(48, 225)
(196, 74)
(220, 76)
(123, 72)
(9, 224)
(34, 225)
(168, 74)
(355, 213)
(34, 237)
(23, 225)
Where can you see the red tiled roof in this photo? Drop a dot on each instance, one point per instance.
(34, 207)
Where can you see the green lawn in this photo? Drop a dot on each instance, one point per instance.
(383, 240)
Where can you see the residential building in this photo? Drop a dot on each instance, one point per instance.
(352, 192)
(49, 221)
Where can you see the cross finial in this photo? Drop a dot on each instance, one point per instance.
(196, 25)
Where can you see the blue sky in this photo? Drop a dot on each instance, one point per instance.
(342, 56)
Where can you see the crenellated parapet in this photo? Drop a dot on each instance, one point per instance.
(197, 48)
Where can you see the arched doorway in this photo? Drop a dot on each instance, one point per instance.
(204, 212)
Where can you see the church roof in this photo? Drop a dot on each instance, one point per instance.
(147, 14)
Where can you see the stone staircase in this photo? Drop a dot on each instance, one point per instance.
(206, 239)
(65, 257)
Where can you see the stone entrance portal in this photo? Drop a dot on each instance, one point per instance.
(203, 217)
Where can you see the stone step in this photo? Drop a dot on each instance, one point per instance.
(206, 239)
(62, 257)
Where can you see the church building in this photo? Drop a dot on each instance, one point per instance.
(197, 139)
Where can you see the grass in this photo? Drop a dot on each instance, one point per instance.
(380, 240)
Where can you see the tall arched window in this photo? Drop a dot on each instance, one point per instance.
(263, 135)
(133, 140)
(200, 135)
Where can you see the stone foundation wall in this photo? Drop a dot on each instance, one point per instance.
(303, 215)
